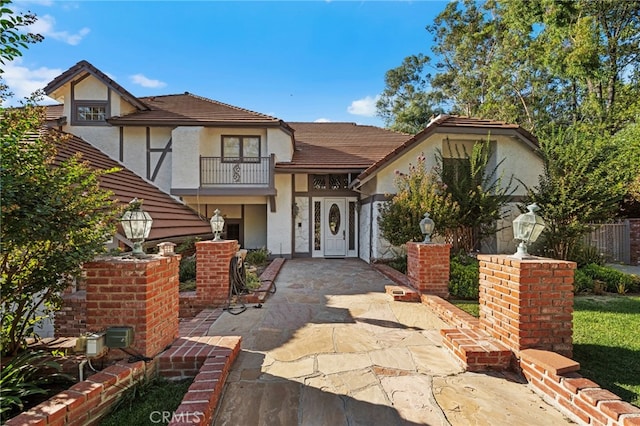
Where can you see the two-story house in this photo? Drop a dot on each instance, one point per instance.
(298, 189)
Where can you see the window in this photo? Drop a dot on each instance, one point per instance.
(90, 113)
(332, 182)
(241, 149)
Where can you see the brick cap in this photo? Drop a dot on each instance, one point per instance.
(550, 361)
(509, 260)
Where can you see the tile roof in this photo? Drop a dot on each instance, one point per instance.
(188, 109)
(454, 124)
(340, 146)
(171, 219)
(84, 67)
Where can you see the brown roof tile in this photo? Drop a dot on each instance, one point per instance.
(188, 109)
(171, 219)
(454, 124)
(339, 146)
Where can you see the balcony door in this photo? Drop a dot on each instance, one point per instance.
(335, 229)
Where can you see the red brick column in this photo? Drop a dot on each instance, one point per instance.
(634, 241)
(141, 293)
(212, 271)
(527, 303)
(428, 268)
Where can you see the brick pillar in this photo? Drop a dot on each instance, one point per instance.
(527, 303)
(141, 293)
(212, 271)
(428, 268)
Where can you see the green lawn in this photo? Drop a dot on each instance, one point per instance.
(149, 403)
(606, 341)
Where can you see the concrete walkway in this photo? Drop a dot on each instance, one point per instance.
(331, 348)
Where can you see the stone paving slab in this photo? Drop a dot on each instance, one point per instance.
(331, 348)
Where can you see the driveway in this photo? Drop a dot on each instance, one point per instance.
(331, 348)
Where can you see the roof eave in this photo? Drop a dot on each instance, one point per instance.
(85, 67)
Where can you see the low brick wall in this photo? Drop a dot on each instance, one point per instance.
(84, 403)
(555, 378)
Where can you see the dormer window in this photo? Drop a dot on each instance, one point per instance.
(90, 113)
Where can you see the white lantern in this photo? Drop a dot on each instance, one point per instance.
(527, 228)
(426, 227)
(136, 224)
(217, 225)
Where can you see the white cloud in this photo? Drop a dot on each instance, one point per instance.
(45, 25)
(365, 106)
(23, 81)
(143, 81)
(322, 120)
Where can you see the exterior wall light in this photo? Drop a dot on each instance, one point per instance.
(426, 227)
(217, 225)
(136, 224)
(527, 228)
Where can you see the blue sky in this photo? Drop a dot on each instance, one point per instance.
(295, 60)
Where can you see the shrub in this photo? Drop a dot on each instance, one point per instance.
(614, 280)
(582, 282)
(258, 257)
(24, 376)
(399, 263)
(464, 280)
(187, 269)
(584, 254)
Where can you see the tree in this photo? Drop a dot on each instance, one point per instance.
(419, 191)
(12, 39)
(584, 182)
(55, 217)
(540, 64)
(479, 192)
(464, 198)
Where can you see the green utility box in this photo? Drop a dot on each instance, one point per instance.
(119, 337)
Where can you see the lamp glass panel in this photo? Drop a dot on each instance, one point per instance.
(136, 224)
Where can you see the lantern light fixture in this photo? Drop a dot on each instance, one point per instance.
(426, 227)
(217, 225)
(527, 228)
(136, 224)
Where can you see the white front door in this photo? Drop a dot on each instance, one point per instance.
(335, 235)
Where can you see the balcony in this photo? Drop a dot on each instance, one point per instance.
(237, 176)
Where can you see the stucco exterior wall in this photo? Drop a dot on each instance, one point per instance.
(185, 164)
(279, 222)
(279, 143)
(91, 89)
(255, 226)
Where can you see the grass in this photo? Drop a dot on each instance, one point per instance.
(606, 341)
(149, 403)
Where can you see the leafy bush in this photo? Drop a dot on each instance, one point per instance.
(464, 280)
(252, 282)
(399, 263)
(187, 247)
(25, 375)
(584, 254)
(582, 282)
(614, 280)
(187, 269)
(258, 257)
